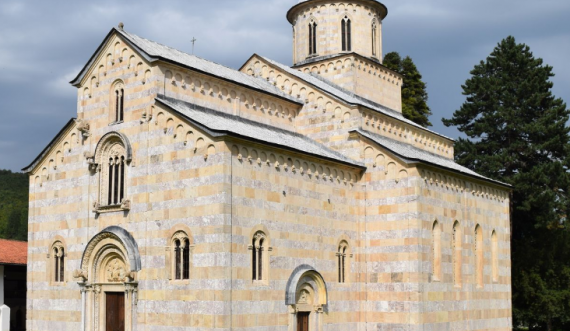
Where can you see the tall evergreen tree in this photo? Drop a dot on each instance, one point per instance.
(517, 134)
(414, 94)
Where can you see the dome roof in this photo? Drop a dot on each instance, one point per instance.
(382, 8)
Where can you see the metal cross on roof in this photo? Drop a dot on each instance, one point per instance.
(193, 42)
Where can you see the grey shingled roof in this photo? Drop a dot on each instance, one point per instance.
(349, 97)
(153, 51)
(234, 125)
(49, 147)
(411, 153)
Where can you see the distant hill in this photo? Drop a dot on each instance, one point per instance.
(14, 190)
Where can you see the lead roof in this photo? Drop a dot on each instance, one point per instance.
(413, 154)
(223, 123)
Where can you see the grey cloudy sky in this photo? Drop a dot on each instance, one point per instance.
(44, 44)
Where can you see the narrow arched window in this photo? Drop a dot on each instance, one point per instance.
(346, 34)
(479, 255)
(181, 255)
(61, 264)
(116, 186)
(312, 38)
(56, 264)
(457, 253)
(253, 260)
(58, 258)
(118, 101)
(186, 259)
(374, 33)
(341, 257)
(177, 259)
(495, 256)
(436, 237)
(258, 258)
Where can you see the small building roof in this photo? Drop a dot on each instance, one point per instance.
(346, 96)
(13, 252)
(219, 123)
(412, 154)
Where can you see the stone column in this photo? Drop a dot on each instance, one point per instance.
(83, 302)
(130, 306)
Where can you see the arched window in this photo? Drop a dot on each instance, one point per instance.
(112, 155)
(345, 31)
(341, 258)
(457, 252)
(116, 174)
(258, 251)
(495, 256)
(58, 262)
(118, 101)
(181, 255)
(374, 34)
(312, 38)
(436, 237)
(479, 255)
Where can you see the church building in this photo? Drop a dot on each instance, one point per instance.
(186, 195)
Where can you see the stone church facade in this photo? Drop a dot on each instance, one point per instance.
(186, 195)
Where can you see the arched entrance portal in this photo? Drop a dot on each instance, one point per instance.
(108, 281)
(306, 296)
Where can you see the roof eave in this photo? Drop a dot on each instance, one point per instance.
(46, 150)
(236, 135)
(300, 4)
(408, 160)
(79, 78)
(293, 101)
(419, 127)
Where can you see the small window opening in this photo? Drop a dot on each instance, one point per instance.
(312, 38)
(116, 187)
(374, 38)
(341, 256)
(346, 34)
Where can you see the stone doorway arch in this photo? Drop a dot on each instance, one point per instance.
(307, 298)
(109, 267)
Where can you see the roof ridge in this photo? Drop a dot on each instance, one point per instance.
(177, 50)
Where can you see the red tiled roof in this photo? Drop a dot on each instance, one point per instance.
(13, 252)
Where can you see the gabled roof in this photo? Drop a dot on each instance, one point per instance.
(13, 252)
(48, 148)
(346, 96)
(411, 154)
(218, 123)
(152, 51)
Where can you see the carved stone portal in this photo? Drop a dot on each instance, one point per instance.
(116, 271)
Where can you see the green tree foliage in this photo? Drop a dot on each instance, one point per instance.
(517, 134)
(13, 205)
(414, 94)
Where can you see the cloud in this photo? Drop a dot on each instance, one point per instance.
(43, 43)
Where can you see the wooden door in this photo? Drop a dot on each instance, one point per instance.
(303, 321)
(115, 311)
